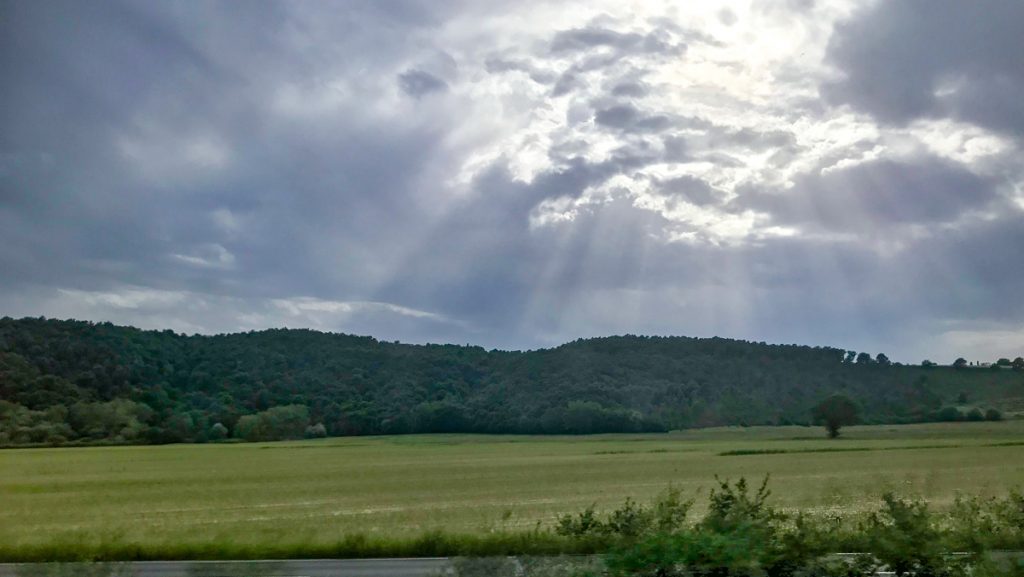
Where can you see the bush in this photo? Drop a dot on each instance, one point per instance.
(317, 431)
(949, 414)
(217, 432)
(274, 424)
(903, 536)
(743, 535)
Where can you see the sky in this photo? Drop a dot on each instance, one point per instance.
(520, 174)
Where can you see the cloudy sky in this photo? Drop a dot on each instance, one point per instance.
(520, 174)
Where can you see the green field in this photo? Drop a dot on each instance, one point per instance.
(272, 498)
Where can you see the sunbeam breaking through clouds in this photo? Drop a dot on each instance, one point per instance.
(517, 175)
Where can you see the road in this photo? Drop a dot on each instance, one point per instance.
(297, 568)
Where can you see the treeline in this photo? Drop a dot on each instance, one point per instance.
(82, 382)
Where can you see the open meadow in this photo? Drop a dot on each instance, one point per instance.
(291, 498)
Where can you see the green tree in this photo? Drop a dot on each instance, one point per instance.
(836, 412)
(217, 432)
(960, 363)
(249, 428)
(1018, 364)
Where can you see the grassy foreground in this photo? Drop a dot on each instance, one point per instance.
(423, 495)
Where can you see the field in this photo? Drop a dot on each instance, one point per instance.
(280, 499)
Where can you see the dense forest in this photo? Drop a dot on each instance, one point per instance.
(64, 382)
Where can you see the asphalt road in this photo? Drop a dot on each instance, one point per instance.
(297, 568)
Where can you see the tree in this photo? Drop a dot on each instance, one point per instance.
(317, 431)
(883, 360)
(836, 412)
(864, 359)
(217, 432)
(1003, 362)
(960, 363)
(850, 356)
(1018, 364)
(927, 364)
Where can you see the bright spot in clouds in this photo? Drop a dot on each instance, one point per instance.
(521, 174)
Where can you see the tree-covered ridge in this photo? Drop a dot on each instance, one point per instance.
(71, 380)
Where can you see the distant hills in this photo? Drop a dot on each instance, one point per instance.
(72, 382)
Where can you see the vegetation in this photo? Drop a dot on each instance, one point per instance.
(73, 382)
(836, 412)
(742, 534)
(467, 494)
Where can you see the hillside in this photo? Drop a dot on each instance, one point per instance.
(76, 381)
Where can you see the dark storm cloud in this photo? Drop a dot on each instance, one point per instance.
(933, 58)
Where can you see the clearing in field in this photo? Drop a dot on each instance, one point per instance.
(269, 498)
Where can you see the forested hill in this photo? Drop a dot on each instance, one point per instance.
(68, 381)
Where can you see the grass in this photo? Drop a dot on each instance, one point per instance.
(441, 494)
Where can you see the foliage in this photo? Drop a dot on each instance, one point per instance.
(741, 535)
(82, 382)
(903, 536)
(836, 412)
(276, 423)
(667, 514)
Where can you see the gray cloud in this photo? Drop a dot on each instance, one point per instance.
(226, 168)
(923, 58)
(588, 38)
(630, 89)
(692, 190)
(417, 83)
(878, 194)
(629, 118)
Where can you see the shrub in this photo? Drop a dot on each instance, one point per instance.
(903, 536)
(217, 432)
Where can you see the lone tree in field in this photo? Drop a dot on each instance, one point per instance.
(836, 412)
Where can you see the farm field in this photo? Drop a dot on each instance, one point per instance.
(151, 501)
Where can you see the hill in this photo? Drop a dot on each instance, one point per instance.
(77, 381)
